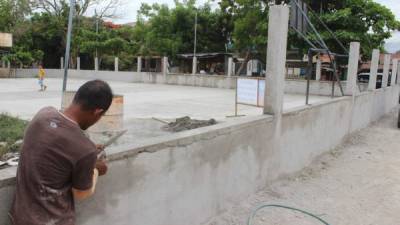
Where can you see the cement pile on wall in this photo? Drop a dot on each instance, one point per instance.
(186, 123)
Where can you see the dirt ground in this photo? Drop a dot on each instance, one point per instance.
(357, 183)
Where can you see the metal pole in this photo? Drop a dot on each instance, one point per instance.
(97, 30)
(68, 48)
(195, 36)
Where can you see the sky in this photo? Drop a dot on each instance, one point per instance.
(128, 13)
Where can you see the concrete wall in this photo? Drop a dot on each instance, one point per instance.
(292, 86)
(212, 81)
(189, 177)
(84, 74)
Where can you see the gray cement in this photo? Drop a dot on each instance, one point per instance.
(20, 97)
(190, 177)
(292, 86)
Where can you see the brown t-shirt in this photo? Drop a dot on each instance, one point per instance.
(56, 156)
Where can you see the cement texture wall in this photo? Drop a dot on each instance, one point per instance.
(189, 177)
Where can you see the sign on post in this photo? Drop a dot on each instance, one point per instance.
(250, 91)
(247, 91)
(6, 40)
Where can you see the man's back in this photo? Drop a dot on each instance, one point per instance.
(55, 157)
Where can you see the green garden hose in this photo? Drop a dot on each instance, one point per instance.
(253, 214)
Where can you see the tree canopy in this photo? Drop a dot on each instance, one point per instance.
(240, 26)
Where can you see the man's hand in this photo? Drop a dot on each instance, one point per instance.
(99, 148)
(101, 166)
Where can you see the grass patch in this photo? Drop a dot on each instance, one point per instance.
(11, 130)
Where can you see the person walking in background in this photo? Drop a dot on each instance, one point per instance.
(42, 74)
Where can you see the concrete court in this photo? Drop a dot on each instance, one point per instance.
(20, 97)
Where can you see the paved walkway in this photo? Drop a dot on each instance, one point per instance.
(355, 184)
(21, 97)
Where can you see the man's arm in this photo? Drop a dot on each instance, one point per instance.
(81, 195)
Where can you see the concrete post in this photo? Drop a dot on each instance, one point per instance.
(116, 64)
(276, 59)
(354, 56)
(386, 67)
(78, 63)
(318, 70)
(194, 66)
(139, 64)
(394, 72)
(21, 65)
(398, 74)
(373, 70)
(96, 64)
(165, 66)
(62, 63)
(8, 65)
(230, 66)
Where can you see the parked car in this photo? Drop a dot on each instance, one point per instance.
(364, 79)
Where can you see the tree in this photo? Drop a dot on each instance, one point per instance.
(350, 20)
(12, 12)
(168, 31)
(104, 8)
(364, 21)
(247, 23)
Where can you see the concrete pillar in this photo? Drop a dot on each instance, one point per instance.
(230, 66)
(62, 63)
(394, 72)
(318, 70)
(398, 74)
(276, 59)
(78, 63)
(165, 66)
(352, 70)
(96, 64)
(386, 67)
(116, 64)
(373, 70)
(139, 64)
(194, 66)
(21, 65)
(8, 65)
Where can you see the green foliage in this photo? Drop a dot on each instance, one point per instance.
(355, 20)
(238, 25)
(11, 130)
(165, 31)
(351, 20)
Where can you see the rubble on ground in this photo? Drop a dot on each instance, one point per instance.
(187, 123)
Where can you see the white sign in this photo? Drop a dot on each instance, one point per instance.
(261, 92)
(6, 40)
(247, 91)
(250, 91)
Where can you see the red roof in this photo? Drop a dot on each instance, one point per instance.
(112, 25)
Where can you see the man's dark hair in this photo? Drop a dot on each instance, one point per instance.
(95, 94)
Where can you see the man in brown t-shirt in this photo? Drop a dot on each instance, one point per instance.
(58, 163)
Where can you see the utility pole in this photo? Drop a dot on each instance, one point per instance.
(195, 36)
(97, 29)
(194, 63)
(68, 47)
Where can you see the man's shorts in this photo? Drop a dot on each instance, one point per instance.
(40, 82)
